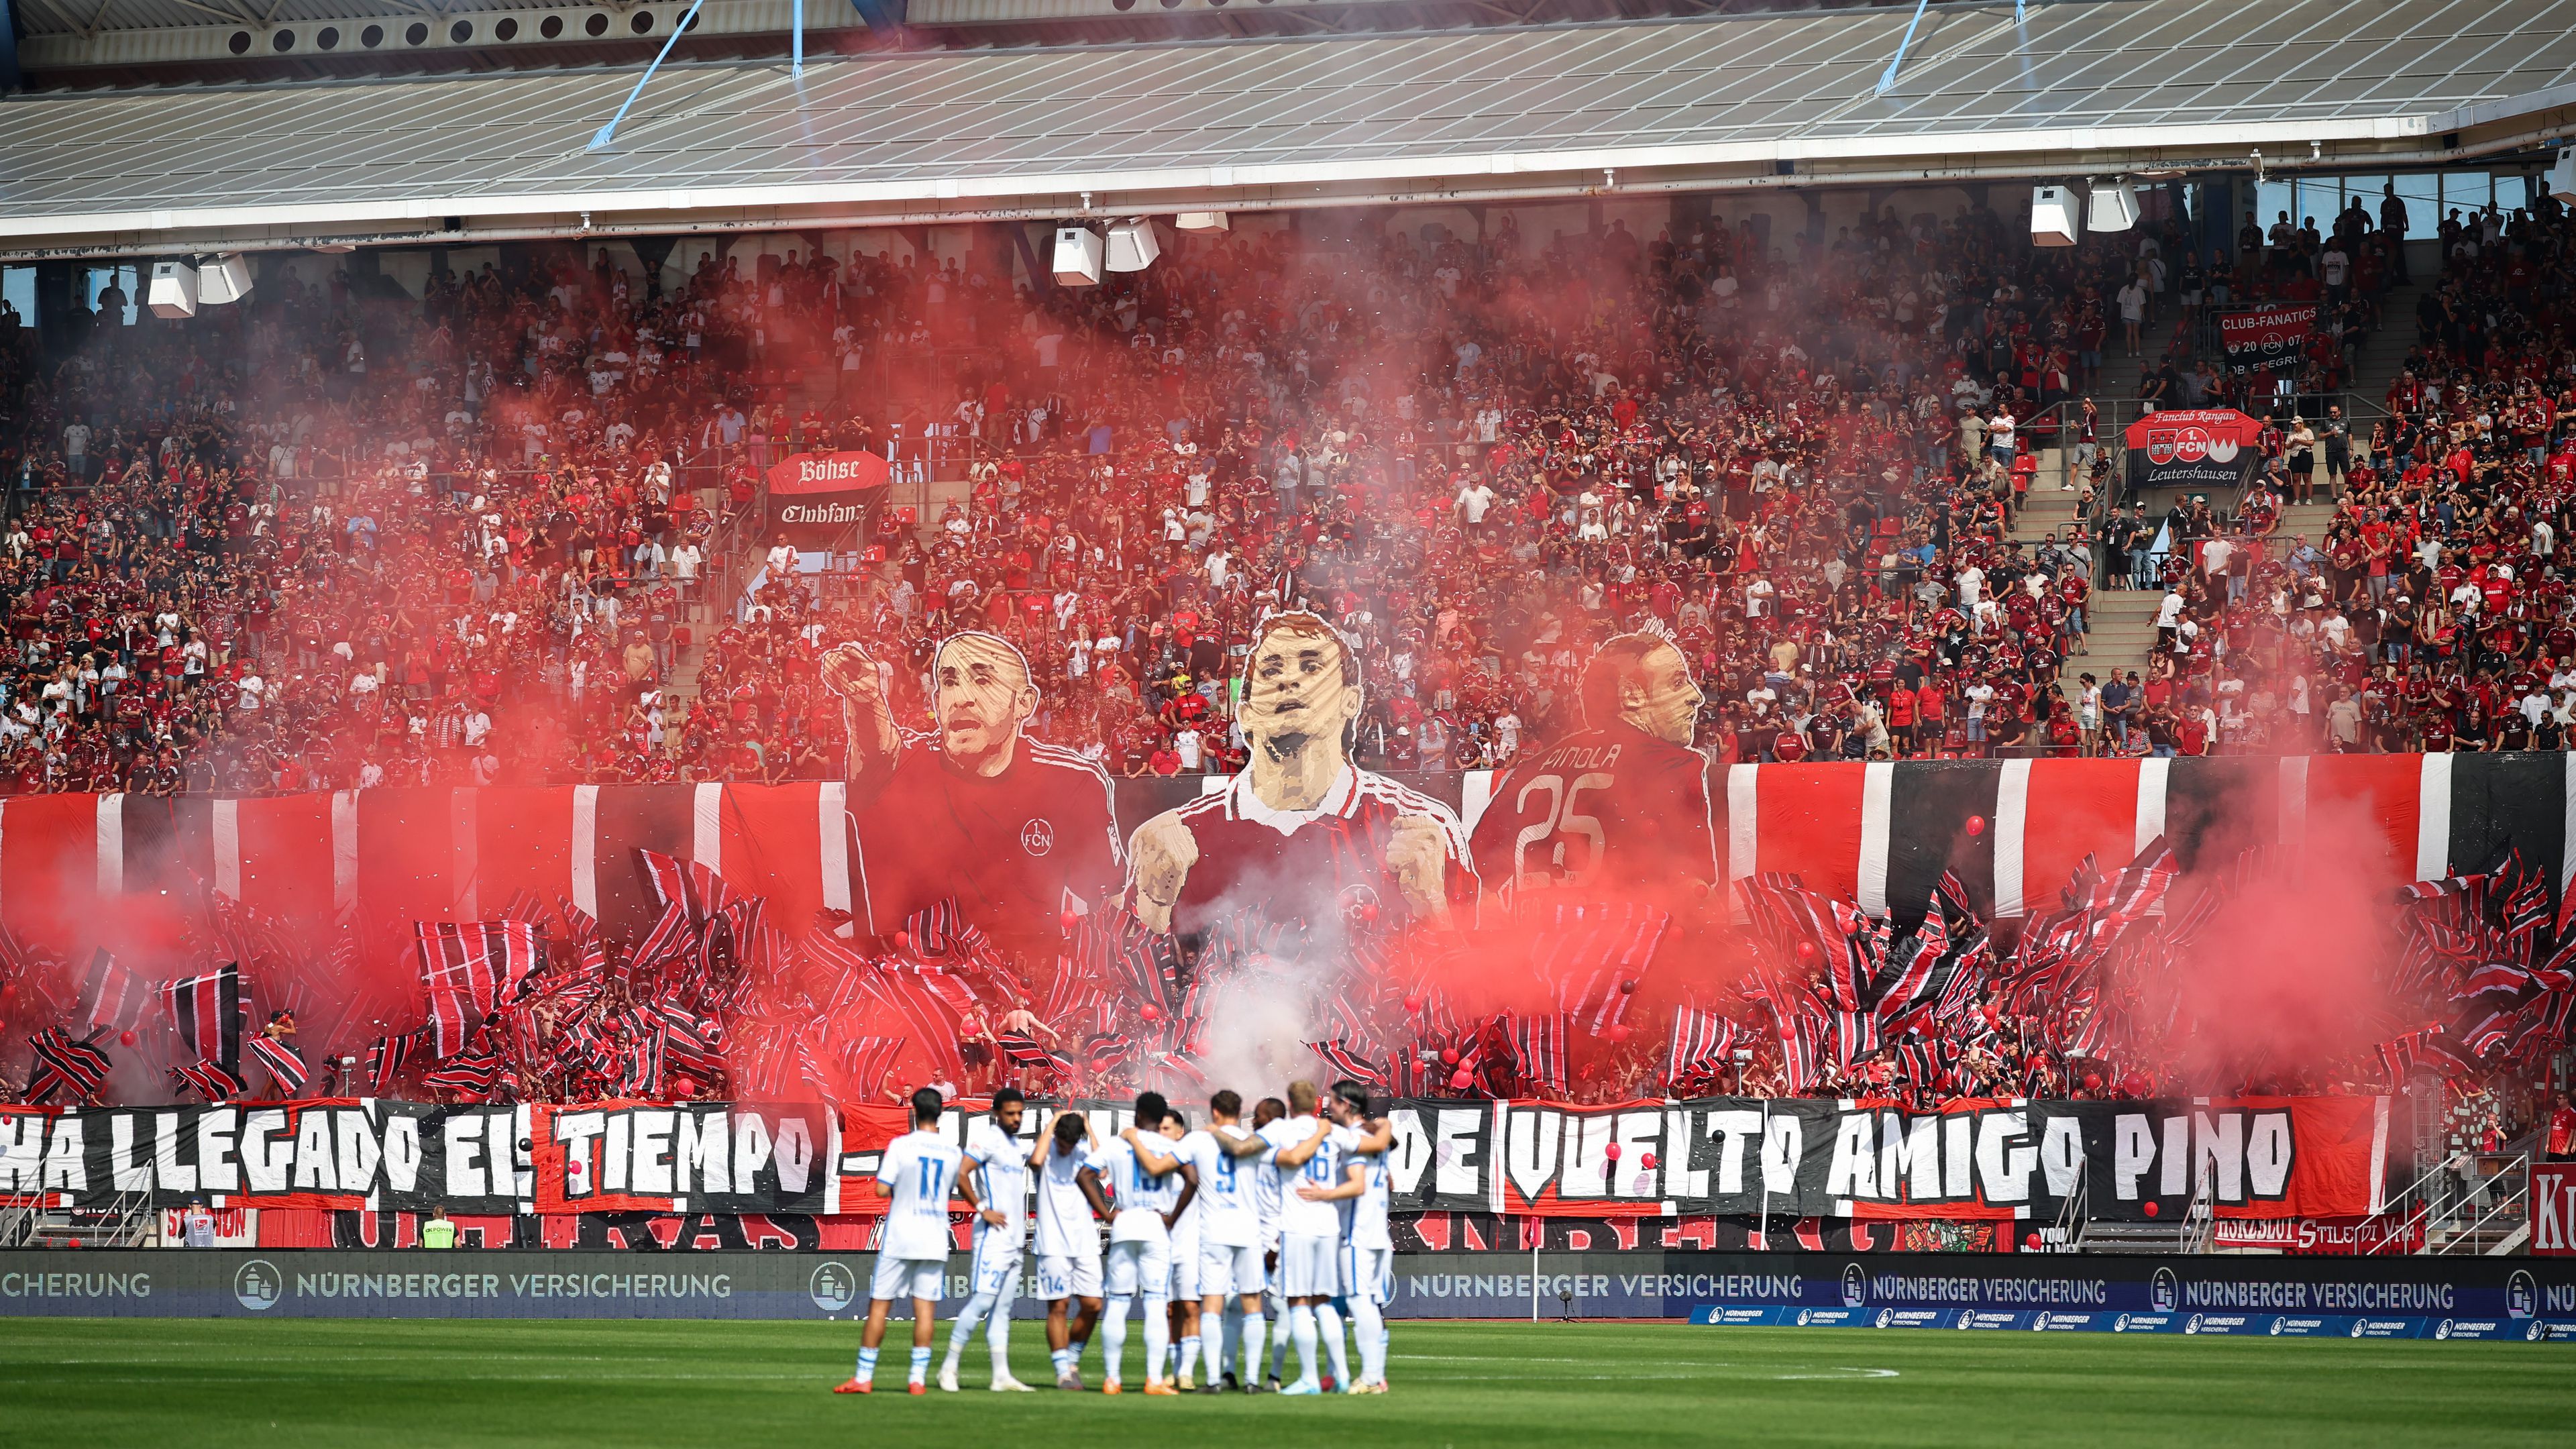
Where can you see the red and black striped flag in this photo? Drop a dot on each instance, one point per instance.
(1595, 955)
(471, 1074)
(74, 1068)
(285, 1065)
(1349, 1063)
(387, 1058)
(111, 997)
(212, 1080)
(208, 1011)
(1538, 1052)
(472, 969)
(1107, 1051)
(1703, 1044)
(866, 1060)
(684, 883)
(1022, 1050)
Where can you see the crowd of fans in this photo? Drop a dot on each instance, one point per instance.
(337, 535)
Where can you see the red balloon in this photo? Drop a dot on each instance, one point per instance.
(125, 1038)
(2092, 1081)
(9, 991)
(903, 940)
(1368, 913)
(683, 1086)
(1153, 1012)
(2151, 1209)
(1611, 1152)
(1448, 1056)
(1412, 1005)
(1646, 1160)
(1459, 1081)
(2031, 1242)
(1627, 988)
(1620, 1033)
(1806, 952)
(1069, 920)
(1976, 825)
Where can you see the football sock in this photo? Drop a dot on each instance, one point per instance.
(1250, 1354)
(1113, 1338)
(1328, 1326)
(1158, 1336)
(1301, 1326)
(867, 1373)
(1190, 1355)
(997, 1334)
(1279, 1345)
(920, 1364)
(964, 1328)
(1369, 1326)
(1062, 1358)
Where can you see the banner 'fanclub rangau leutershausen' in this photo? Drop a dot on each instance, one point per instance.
(2253, 1157)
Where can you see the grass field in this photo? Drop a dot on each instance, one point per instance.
(352, 1383)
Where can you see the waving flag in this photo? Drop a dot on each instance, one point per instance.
(285, 1066)
(1538, 1051)
(1022, 1050)
(212, 1080)
(1349, 1063)
(73, 1068)
(111, 997)
(696, 890)
(1702, 1044)
(472, 968)
(387, 1058)
(471, 1074)
(208, 1011)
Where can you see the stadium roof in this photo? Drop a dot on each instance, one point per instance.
(1761, 100)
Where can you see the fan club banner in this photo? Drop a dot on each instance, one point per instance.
(80, 872)
(816, 498)
(2265, 339)
(2192, 448)
(2263, 1158)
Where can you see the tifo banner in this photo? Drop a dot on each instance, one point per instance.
(2266, 338)
(815, 498)
(2553, 1209)
(2349, 1297)
(2285, 1157)
(78, 872)
(2192, 448)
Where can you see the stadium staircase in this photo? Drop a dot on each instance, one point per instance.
(127, 1222)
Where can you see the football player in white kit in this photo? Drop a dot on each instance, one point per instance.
(1229, 1236)
(1368, 1248)
(997, 1168)
(1303, 1148)
(1068, 1241)
(1152, 1188)
(917, 1171)
(1184, 1309)
(1265, 1206)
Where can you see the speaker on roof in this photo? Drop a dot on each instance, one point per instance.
(173, 292)
(1077, 257)
(2052, 217)
(2112, 208)
(1132, 247)
(1200, 221)
(2562, 177)
(223, 279)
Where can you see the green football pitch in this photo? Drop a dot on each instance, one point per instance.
(584, 1385)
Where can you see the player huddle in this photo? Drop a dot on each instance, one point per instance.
(1206, 1223)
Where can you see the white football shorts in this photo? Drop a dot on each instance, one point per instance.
(1064, 1276)
(899, 1278)
(1310, 1266)
(1135, 1266)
